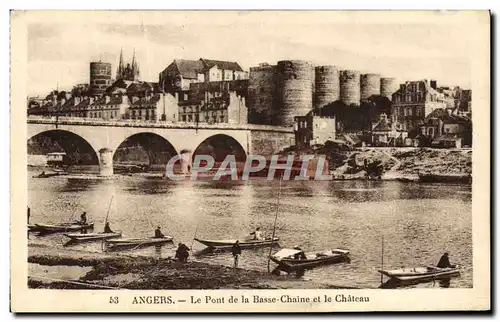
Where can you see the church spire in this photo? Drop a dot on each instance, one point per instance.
(135, 67)
(119, 71)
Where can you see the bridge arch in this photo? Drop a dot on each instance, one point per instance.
(78, 150)
(144, 148)
(219, 146)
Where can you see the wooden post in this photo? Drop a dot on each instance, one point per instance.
(274, 231)
(382, 264)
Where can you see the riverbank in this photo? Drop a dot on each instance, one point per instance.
(138, 272)
(406, 163)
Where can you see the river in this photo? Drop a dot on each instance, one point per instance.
(417, 221)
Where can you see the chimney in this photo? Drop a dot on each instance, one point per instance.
(434, 83)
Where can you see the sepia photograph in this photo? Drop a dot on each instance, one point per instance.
(252, 157)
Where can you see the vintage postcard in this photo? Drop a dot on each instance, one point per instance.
(250, 161)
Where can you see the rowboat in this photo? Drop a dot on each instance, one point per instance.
(92, 236)
(227, 243)
(286, 261)
(63, 227)
(420, 274)
(137, 242)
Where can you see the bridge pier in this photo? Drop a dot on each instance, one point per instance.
(105, 162)
(186, 161)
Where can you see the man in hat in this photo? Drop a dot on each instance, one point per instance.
(158, 233)
(444, 262)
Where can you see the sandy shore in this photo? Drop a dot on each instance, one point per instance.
(136, 272)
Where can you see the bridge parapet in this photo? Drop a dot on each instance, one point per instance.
(155, 124)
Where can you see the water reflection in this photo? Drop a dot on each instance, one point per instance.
(418, 221)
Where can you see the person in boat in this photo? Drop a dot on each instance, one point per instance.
(158, 233)
(444, 262)
(83, 218)
(107, 229)
(236, 251)
(300, 255)
(182, 253)
(257, 234)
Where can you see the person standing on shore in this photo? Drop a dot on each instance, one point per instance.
(29, 211)
(236, 250)
(182, 253)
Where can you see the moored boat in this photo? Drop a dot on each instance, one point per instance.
(92, 236)
(445, 178)
(420, 274)
(63, 227)
(285, 258)
(228, 243)
(137, 242)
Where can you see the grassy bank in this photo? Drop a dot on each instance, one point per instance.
(135, 272)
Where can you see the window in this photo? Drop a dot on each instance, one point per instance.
(133, 114)
(184, 118)
(99, 114)
(140, 113)
(147, 114)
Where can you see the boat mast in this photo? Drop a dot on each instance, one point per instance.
(106, 220)
(109, 207)
(274, 230)
(382, 262)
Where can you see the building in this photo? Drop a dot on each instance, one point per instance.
(218, 70)
(312, 129)
(130, 71)
(181, 73)
(387, 133)
(443, 128)
(413, 101)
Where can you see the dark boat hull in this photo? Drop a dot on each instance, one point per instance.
(221, 244)
(409, 278)
(49, 229)
(445, 178)
(118, 244)
(92, 237)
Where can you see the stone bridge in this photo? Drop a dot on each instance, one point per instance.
(103, 138)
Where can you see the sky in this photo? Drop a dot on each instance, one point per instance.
(60, 50)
